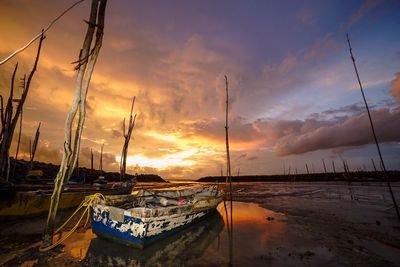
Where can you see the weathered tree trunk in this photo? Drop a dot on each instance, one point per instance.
(127, 137)
(85, 67)
(9, 119)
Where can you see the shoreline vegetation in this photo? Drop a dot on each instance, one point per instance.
(50, 171)
(357, 176)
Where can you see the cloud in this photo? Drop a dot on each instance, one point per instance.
(354, 131)
(362, 11)
(45, 152)
(322, 48)
(395, 88)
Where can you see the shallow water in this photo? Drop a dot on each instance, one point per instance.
(260, 237)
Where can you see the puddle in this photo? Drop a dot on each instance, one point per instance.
(260, 237)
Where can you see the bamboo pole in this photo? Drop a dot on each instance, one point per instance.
(373, 131)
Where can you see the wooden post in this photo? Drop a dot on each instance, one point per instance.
(284, 168)
(373, 131)
(101, 157)
(85, 66)
(323, 162)
(308, 172)
(373, 164)
(333, 166)
(32, 148)
(91, 159)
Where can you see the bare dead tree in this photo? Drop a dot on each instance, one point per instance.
(127, 138)
(85, 66)
(33, 146)
(9, 118)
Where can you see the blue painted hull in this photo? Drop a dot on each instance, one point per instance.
(117, 231)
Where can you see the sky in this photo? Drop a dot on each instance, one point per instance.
(294, 96)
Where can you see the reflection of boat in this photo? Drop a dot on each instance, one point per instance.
(33, 199)
(175, 250)
(149, 215)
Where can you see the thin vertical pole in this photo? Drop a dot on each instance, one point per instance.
(91, 159)
(373, 164)
(373, 131)
(323, 162)
(284, 168)
(101, 157)
(228, 171)
(308, 172)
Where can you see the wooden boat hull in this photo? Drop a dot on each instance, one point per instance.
(142, 226)
(171, 251)
(32, 203)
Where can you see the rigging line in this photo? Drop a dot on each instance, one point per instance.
(40, 34)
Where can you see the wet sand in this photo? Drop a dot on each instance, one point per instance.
(275, 224)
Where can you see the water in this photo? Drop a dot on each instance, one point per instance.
(260, 238)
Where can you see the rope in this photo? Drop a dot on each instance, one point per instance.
(86, 204)
(40, 34)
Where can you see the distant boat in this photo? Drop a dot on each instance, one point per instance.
(149, 215)
(34, 199)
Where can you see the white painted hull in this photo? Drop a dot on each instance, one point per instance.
(144, 224)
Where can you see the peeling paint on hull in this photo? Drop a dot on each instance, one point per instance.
(128, 227)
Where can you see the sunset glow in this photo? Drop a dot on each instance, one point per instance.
(171, 160)
(294, 97)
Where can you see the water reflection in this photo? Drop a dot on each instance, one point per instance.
(176, 250)
(257, 234)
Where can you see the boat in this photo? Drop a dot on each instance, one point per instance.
(146, 216)
(175, 250)
(34, 199)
